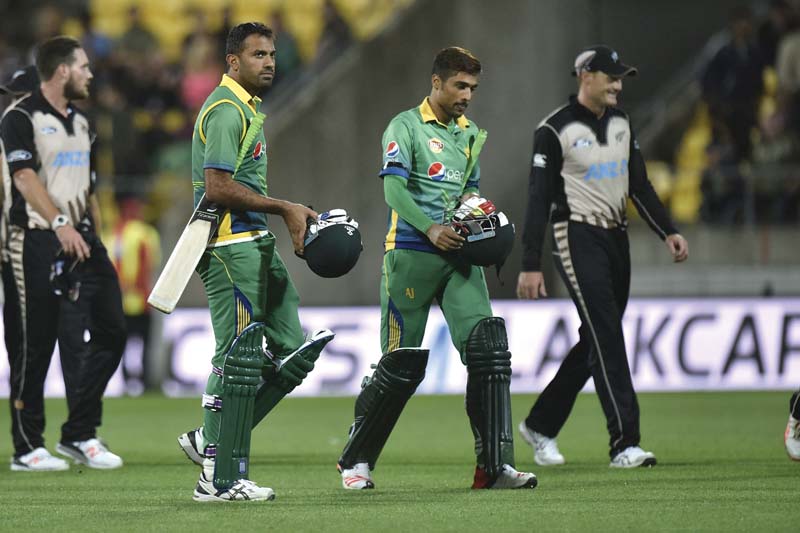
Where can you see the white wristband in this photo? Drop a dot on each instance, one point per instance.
(60, 220)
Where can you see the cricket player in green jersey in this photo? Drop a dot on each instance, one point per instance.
(250, 294)
(430, 164)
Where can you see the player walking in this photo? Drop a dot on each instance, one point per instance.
(53, 212)
(586, 163)
(250, 293)
(430, 164)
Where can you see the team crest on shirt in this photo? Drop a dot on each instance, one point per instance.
(258, 151)
(436, 145)
(392, 150)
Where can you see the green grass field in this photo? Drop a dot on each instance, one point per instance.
(721, 467)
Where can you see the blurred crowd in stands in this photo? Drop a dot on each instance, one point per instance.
(751, 90)
(153, 74)
(143, 108)
(143, 105)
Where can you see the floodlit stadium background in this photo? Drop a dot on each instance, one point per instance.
(727, 319)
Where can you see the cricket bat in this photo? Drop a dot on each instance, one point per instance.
(184, 257)
(195, 238)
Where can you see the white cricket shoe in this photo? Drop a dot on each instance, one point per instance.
(190, 444)
(242, 490)
(508, 478)
(791, 438)
(356, 478)
(92, 453)
(545, 449)
(39, 460)
(631, 457)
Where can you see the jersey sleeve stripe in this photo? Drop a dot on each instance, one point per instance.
(212, 106)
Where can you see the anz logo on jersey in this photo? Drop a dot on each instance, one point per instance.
(71, 159)
(610, 170)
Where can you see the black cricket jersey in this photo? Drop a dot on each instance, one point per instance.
(584, 169)
(58, 149)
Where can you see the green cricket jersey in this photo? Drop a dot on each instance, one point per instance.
(433, 157)
(218, 133)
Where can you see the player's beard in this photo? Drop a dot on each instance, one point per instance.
(264, 85)
(73, 91)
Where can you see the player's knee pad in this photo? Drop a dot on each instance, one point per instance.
(283, 375)
(397, 375)
(488, 394)
(241, 374)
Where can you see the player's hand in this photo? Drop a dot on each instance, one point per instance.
(678, 247)
(530, 286)
(296, 217)
(444, 238)
(72, 242)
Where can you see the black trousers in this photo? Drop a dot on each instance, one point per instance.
(595, 265)
(90, 332)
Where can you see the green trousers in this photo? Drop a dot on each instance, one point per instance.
(412, 280)
(247, 282)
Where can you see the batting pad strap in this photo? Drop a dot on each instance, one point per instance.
(212, 402)
(287, 373)
(381, 402)
(488, 394)
(210, 451)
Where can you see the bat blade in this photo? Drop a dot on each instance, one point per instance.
(184, 258)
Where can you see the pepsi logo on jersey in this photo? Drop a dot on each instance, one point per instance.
(392, 150)
(258, 151)
(438, 172)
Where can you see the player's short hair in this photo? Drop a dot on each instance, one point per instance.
(453, 60)
(240, 32)
(54, 52)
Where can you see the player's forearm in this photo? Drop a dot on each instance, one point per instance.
(222, 189)
(398, 198)
(537, 216)
(646, 200)
(31, 188)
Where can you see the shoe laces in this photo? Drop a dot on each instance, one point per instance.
(359, 470)
(246, 483)
(547, 444)
(510, 471)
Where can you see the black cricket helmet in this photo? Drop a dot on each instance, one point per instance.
(488, 232)
(332, 244)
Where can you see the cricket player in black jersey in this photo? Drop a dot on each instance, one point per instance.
(66, 286)
(586, 165)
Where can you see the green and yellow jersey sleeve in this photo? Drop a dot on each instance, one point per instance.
(221, 128)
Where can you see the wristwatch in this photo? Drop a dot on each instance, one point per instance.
(60, 220)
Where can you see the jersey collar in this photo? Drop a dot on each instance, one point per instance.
(427, 114)
(254, 102)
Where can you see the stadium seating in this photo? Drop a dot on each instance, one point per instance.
(170, 22)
